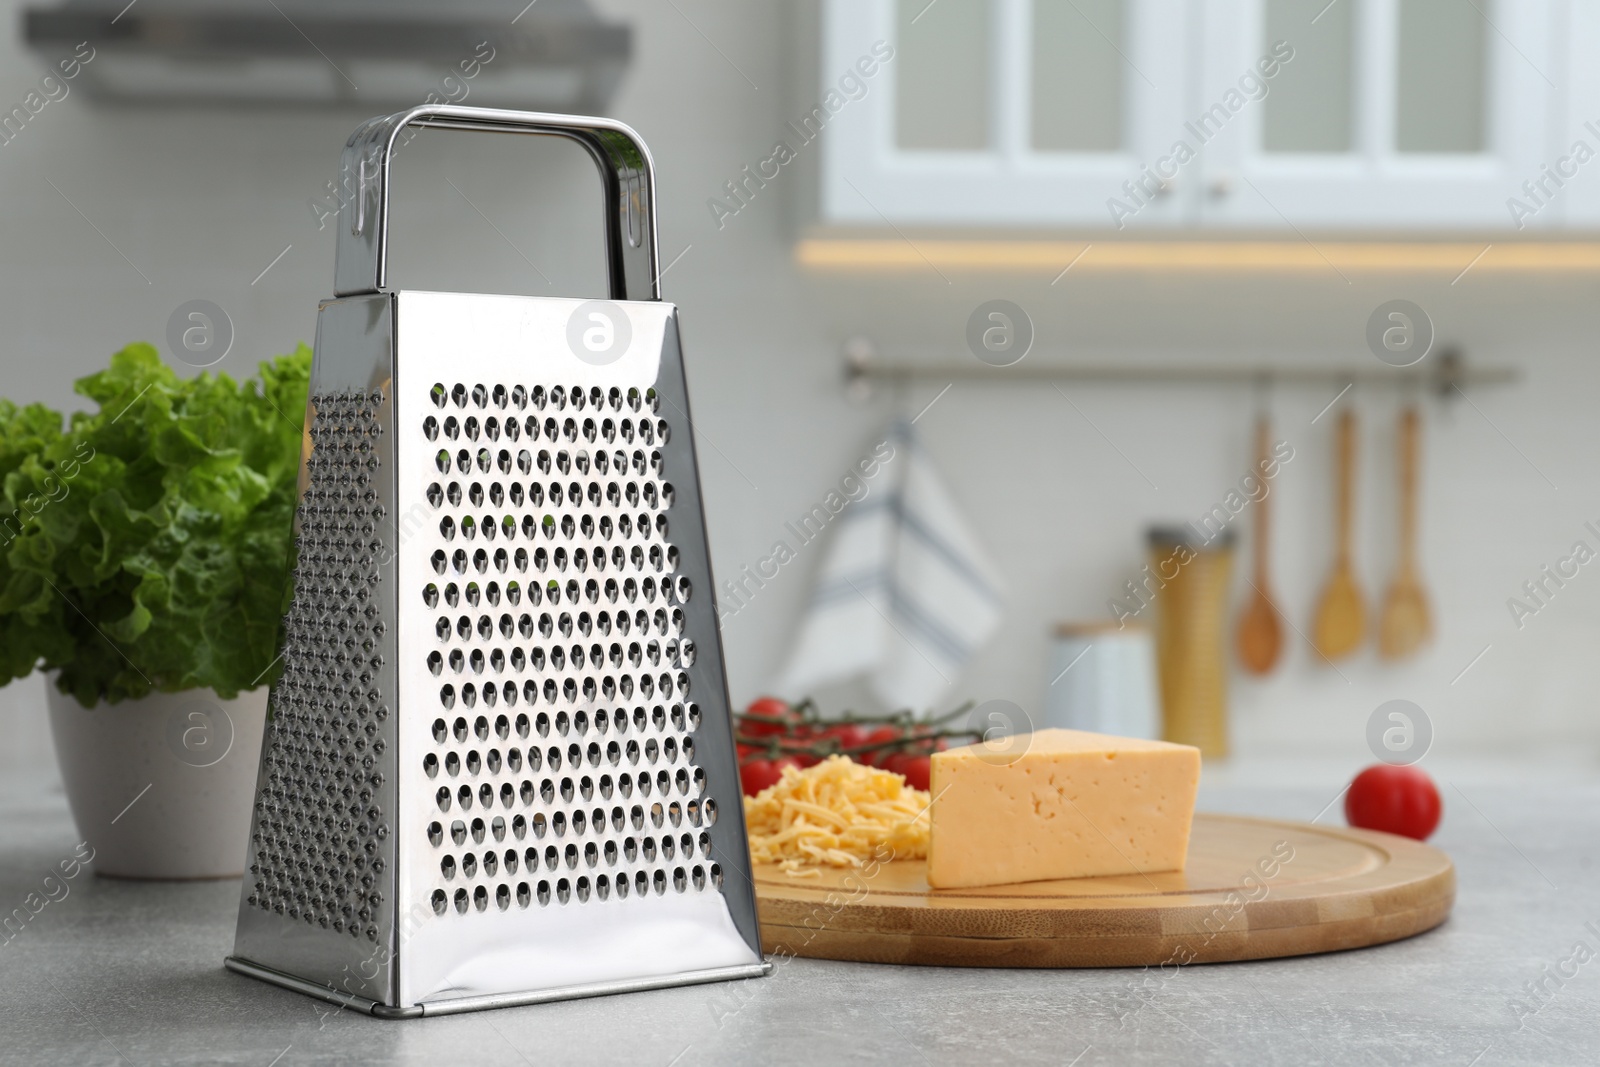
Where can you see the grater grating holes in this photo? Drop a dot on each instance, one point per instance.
(318, 823)
(593, 622)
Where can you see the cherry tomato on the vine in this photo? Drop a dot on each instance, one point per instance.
(917, 771)
(766, 717)
(876, 737)
(846, 734)
(760, 774)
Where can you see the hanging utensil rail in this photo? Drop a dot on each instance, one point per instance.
(1440, 374)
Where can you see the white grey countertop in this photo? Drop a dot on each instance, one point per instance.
(131, 973)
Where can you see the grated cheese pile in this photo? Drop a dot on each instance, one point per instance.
(838, 813)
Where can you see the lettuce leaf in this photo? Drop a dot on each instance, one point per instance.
(148, 545)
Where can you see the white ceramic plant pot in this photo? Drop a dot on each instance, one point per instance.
(161, 787)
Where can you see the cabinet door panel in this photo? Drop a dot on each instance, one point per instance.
(1441, 67)
(943, 75)
(1310, 106)
(1450, 113)
(1080, 95)
(1075, 59)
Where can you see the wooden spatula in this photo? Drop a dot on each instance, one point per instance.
(1405, 625)
(1341, 621)
(1260, 637)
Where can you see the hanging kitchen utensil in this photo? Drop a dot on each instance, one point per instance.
(1260, 636)
(499, 767)
(1405, 625)
(1341, 621)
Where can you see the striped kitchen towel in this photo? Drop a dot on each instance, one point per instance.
(905, 595)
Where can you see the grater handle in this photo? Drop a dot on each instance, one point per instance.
(362, 258)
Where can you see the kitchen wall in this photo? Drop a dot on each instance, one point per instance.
(197, 202)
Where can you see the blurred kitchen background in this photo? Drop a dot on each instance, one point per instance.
(1378, 166)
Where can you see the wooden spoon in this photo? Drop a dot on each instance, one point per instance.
(1341, 621)
(1405, 625)
(1260, 637)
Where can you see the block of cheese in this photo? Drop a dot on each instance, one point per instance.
(1059, 804)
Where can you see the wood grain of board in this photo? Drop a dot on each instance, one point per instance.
(1238, 899)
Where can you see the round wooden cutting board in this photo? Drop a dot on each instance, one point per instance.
(1254, 888)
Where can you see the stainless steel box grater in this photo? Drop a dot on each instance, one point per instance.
(499, 767)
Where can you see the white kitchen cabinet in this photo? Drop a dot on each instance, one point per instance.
(1448, 105)
(1214, 114)
(964, 125)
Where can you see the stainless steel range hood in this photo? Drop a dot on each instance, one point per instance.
(550, 55)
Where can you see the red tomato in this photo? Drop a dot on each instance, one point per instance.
(745, 750)
(766, 717)
(878, 737)
(914, 767)
(917, 771)
(847, 734)
(762, 774)
(1397, 800)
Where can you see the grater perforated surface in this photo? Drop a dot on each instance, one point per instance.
(561, 753)
(319, 831)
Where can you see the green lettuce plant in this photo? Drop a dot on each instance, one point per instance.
(147, 546)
